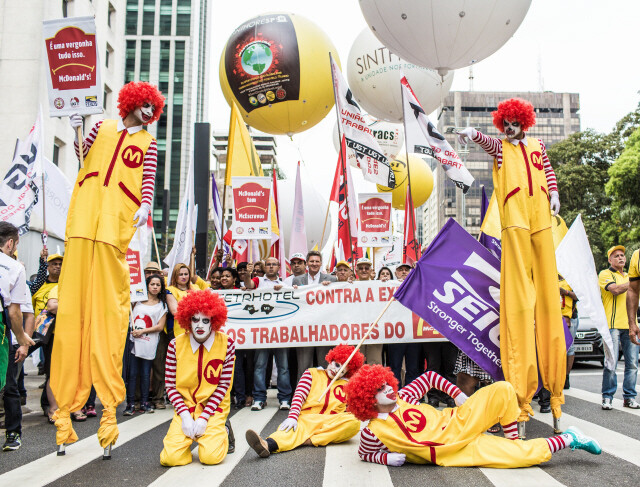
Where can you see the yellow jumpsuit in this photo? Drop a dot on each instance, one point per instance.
(531, 328)
(93, 311)
(454, 437)
(196, 375)
(322, 422)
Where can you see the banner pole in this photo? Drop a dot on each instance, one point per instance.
(366, 335)
(45, 235)
(155, 244)
(80, 146)
(324, 227)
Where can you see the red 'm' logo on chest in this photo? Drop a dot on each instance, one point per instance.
(339, 394)
(212, 371)
(414, 420)
(132, 156)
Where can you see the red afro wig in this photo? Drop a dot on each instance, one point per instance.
(514, 109)
(205, 302)
(363, 387)
(341, 353)
(135, 94)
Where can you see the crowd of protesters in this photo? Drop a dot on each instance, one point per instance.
(152, 328)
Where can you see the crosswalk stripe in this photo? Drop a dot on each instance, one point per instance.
(196, 474)
(597, 399)
(612, 442)
(343, 467)
(522, 477)
(51, 467)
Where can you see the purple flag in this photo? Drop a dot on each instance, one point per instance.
(455, 287)
(491, 243)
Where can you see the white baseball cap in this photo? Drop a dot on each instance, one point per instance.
(298, 255)
(363, 260)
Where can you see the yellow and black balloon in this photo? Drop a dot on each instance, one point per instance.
(421, 181)
(276, 68)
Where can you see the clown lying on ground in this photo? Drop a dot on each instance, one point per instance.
(311, 422)
(401, 429)
(198, 378)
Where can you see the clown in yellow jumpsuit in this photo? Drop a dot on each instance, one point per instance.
(112, 191)
(402, 430)
(198, 377)
(531, 328)
(315, 420)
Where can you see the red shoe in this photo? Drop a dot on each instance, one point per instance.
(90, 412)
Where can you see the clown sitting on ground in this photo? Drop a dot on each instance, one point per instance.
(526, 190)
(311, 422)
(401, 429)
(198, 378)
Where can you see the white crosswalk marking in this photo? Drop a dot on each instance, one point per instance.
(343, 467)
(522, 477)
(196, 474)
(597, 399)
(51, 467)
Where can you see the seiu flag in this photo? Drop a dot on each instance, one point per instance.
(455, 287)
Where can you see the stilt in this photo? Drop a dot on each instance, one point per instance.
(556, 426)
(522, 430)
(61, 450)
(106, 455)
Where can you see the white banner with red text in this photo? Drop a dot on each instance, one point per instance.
(374, 229)
(251, 208)
(321, 315)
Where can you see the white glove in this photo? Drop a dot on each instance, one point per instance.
(396, 459)
(465, 134)
(288, 424)
(141, 215)
(555, 202)
(199, 427)
(461, 398)
(75, 121)
(187, 424)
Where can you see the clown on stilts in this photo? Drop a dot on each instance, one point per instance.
(198, 376)
(111, 197)
(400, 429)
(312, 422)
(531, 329)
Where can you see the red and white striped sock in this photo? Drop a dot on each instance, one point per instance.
(510, 431)
(557, 443)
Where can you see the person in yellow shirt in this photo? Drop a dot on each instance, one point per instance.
(614, 283)
(632, 298)
(568, 300)
(198, 378)
(112, 195)
(401, 429)
(312, 422)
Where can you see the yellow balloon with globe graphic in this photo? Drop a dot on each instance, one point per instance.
(276, 68)
(421, 181)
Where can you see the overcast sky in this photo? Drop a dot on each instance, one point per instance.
(584, 46)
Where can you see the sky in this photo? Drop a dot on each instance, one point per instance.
(579, 46)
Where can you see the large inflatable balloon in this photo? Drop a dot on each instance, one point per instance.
(421, 181)
(374, 75)
(390, 138)
(315, 209)
(444, 34)
(276, 68)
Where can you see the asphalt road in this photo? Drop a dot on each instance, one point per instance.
(136, 456)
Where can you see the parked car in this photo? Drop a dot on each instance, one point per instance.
(588, 343)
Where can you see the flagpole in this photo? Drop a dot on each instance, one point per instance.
(80, 146)
(155, 244)
(45, 235)
(406, 152)
(326, 217)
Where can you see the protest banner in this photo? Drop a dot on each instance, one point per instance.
(374, 229)
(251, 208)
(390, 256)
(137, 282)
(321, 315)
(73, 82)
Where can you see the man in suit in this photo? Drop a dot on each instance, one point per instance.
(313, 277)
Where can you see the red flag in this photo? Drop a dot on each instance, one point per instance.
(411, 247)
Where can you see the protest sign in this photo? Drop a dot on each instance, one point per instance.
(137, 282)
(321, 315)
(73, 81)
(374, 229)
(251, 208)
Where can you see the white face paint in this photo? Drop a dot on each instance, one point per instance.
(144, 113)
(513, 130)
(201, 327)
(333, 368)
(386, 396)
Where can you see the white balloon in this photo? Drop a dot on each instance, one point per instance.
(374, 75)
(315, 209)
(444, 34)
(390, 137)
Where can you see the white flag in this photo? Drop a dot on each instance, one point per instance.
(422, 137)
(19, 190)
(359, 137)
(298, 242)
(183, 239)
(575, 263)
(56, 197)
